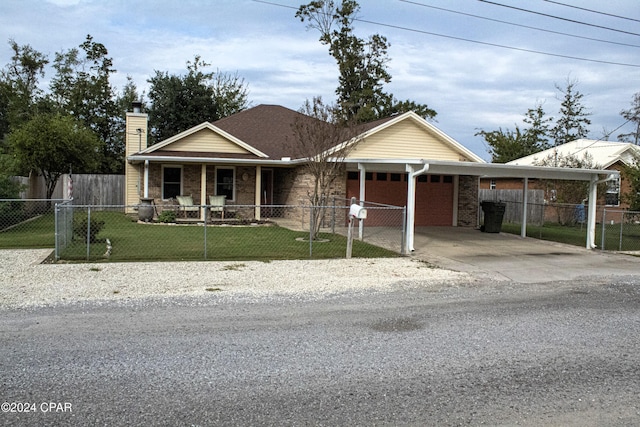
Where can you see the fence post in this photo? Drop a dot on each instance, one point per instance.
(88, 231)
(311, 231)
(404, 229)
(621, 229)
(604, 221)
(206, 215)
(56, 212)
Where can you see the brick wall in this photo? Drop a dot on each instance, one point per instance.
(468, 201)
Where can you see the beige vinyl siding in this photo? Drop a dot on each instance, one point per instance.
(405, 140)
(205, 141)
(135, 142)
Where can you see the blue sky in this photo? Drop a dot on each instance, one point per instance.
(471, 85)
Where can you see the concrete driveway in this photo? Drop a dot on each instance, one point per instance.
(509, 257)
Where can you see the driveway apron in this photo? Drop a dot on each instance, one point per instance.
(507, 257)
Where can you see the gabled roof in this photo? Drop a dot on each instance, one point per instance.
(206, 125)
(380, 125)
(266, 133)
(603, 153)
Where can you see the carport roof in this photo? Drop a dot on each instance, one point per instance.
(484, 170)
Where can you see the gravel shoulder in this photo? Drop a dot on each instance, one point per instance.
(26, 282)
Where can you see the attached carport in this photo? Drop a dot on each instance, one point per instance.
(415, 168)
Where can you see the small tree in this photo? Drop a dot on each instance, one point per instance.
(507, 145)
(568, 192)
(324, 140)
(574, 117)
(633, 116)
(631, 173)
(51, 144)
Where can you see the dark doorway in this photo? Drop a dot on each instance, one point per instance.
(266, 196)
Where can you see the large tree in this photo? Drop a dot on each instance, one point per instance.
(362, 64)
(82, 88)
(323, 139)
(19, 91)
(52, 144)
(633, 116)
(181, 102)
(573, 120)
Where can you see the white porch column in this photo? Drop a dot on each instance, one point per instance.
(258, 191)
(591, 212)
(203, 190)
(146, 178)
(525, 202)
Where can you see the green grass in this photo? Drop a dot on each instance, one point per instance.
(132, 241)
(32, 234)
(577, 235)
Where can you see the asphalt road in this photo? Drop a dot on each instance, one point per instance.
(495, 354)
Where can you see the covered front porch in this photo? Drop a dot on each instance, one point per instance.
(236, 184)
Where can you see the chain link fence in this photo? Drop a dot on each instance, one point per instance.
(230, 232)
(620, 231)
(27, 223)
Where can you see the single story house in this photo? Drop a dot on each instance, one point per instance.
(607, 155)
(247, 157)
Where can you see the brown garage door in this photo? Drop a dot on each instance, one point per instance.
(434, 194)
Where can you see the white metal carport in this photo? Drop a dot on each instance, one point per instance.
(416, 168)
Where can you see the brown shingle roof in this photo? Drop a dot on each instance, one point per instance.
(269, 128)
(265, 127)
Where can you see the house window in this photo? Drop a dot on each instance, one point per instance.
(435, 178)
(368, 176)
(171, 181)
(395, 177)
(225, 182)
(423, 178)
(447, 179)
(612, 197)
(492, 185)
(381, 176)
(353, 176)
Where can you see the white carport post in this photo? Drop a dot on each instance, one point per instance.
(591, 212)
(411, 203)
(525, 202)
(361, 196)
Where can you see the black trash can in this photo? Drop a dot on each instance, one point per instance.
(493, 214)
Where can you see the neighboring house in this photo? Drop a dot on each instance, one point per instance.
(248, 157)
(606, 155)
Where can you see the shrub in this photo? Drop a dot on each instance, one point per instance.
(167, 216)
(80, 228)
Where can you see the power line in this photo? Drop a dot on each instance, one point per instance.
(469, 40)
(559, 17)
(592, 11)
(519, 25)
(498, 45)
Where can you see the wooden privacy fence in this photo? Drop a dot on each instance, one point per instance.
(513, 201)
(88, 189)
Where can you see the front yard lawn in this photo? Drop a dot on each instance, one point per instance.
(132, 241)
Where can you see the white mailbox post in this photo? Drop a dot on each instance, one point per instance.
(356, 212)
